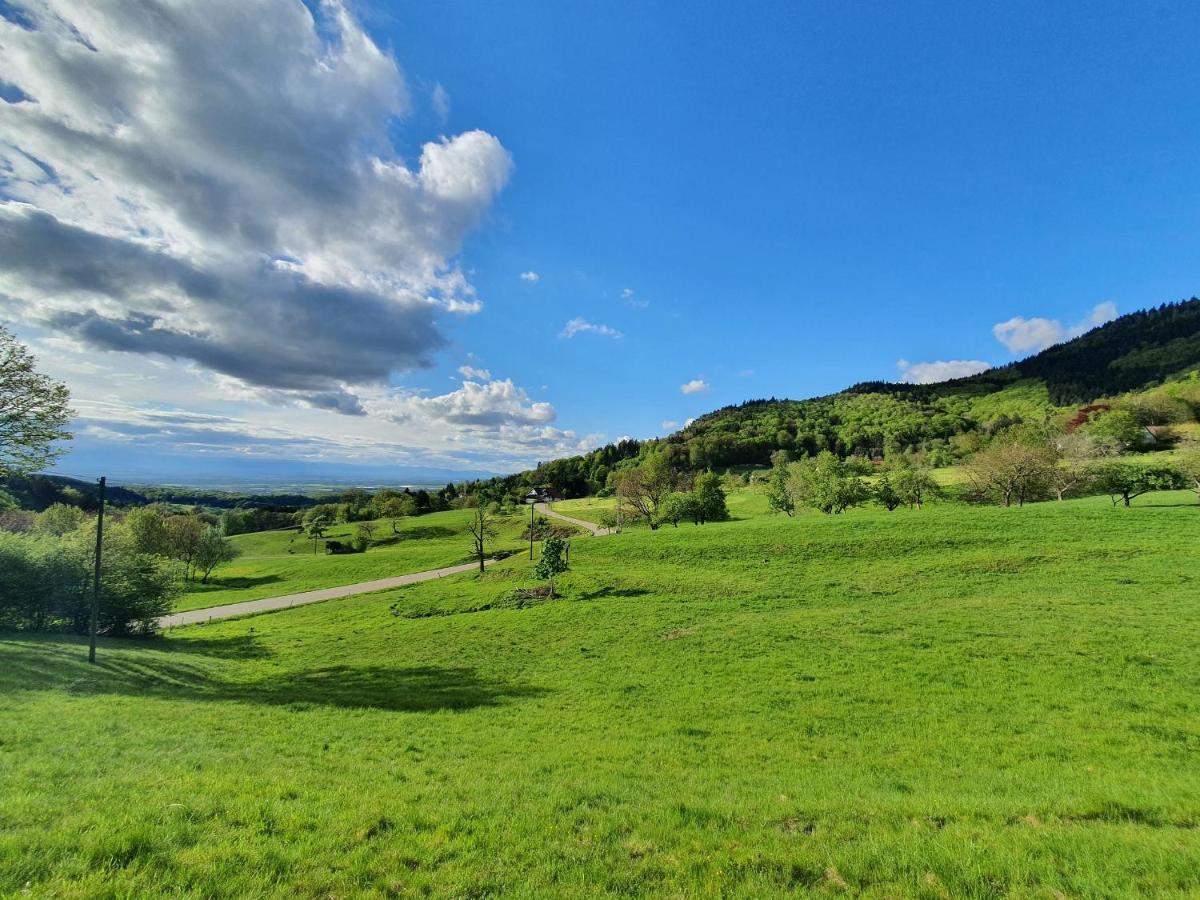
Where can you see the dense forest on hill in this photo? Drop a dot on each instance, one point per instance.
(1130, 353)
(1135, 352)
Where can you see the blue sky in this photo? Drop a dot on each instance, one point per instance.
(754, 200)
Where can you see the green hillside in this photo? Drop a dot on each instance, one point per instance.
(955, 702)
(1149, 351)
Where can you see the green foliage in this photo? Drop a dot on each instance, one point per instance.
(826, 483)
(58, 520)
(1126, 481)
(364, 534)
(552, 562)
(34, 411)
(1119, 426)
(708, 499)
(676, 508)
(641, 490)
(46, 582)
(886, 494)
(1188, 466)
(213, 550)
(778, 496)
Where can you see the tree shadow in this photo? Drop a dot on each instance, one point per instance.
(421, 533)
(605, 592)
(177, 670)
(224, 584)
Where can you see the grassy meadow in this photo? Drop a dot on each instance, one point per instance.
(284, 562)
(959, 702)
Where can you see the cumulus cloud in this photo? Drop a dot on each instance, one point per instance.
(939, 370)
(695, 386)
(583, 326)
(669, 424)
(216, 183)
(472, 372)
(1022, 335)
(494, 405)
(530, 276)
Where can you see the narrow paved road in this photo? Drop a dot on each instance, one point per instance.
(269, 604)
(590, 526)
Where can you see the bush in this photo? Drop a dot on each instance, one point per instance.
(46, 583)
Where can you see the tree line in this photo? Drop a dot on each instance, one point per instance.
(150, 555)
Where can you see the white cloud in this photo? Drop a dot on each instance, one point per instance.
(627, 293)
(216, 183)
(695, 386)
(530, 276)
(687, 422)
(472, 372)
(493, 405)
(583, 326)
(939, 370)
(440, 101)
(1021, 335)
(669, 424)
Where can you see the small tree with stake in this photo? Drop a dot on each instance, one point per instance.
(553, 561)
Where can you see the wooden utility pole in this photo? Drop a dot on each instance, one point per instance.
(95, 618)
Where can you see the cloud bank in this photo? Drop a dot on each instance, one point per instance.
(216, 184)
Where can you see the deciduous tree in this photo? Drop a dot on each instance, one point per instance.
(826, 483)
(1126, 481)
(34, 411)
(552, 562)
(1011, 471)
(482, 530)
(212, 550)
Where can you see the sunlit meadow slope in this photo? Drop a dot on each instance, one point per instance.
(954, 702)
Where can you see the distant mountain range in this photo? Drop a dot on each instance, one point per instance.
(242, 473)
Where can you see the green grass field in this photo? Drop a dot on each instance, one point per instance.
(283, 562)
(959, 702)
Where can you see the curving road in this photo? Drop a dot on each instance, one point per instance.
(270, 604)
(287, 601)
(589, 526)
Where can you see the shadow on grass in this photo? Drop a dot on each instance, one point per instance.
(167, 669)
(606, 592)
(224, 584)
(423, 533)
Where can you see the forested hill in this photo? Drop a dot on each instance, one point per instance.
(1130, 353)
(1135, 352)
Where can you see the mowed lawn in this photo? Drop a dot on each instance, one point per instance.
(287, 562)
(949, 703)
